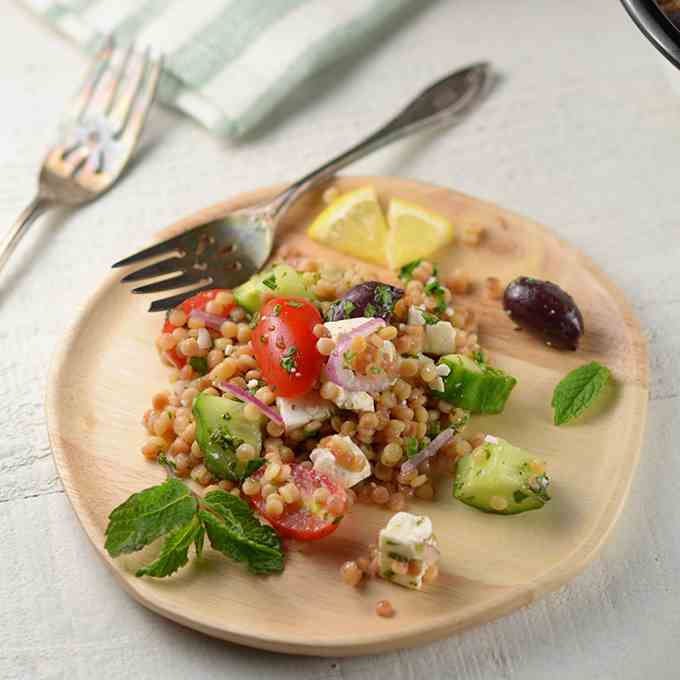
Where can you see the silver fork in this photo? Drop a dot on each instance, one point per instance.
(225, 252)
(97, 136)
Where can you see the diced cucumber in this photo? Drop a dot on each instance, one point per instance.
(475, 386)
(220, 428)
(280, 280)
(501, 478)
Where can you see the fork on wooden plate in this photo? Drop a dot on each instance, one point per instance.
(225, 252)
(97, 137)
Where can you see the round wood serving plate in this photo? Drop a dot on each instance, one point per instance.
(107, 369)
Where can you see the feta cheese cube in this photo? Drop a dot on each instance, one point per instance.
(354, 401)
(337, 328)
(437, 384)
(302, 410)
(416, 316)
(440, 338)
(407, 542)
(326, 464)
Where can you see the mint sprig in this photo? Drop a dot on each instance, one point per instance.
(233, 530)
(171, 510)
(578, 390)
(148, 515)
(175, 550)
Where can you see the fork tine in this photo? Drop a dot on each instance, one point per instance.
(185, 279)
(105, 88)
(169, 266)
(174, 300)
(98, 67)
(135, 67)
(167, 246)
(145, 94)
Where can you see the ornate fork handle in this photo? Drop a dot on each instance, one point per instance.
(439, 104)
(31, 212)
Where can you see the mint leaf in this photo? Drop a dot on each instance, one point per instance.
(147, 515)
(199, 540)
(175, 550)
(199, 364)
(234, 531)
(578, 390)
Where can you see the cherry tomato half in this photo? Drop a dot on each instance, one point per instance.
(284, 345)
(198, 301)
(306, 520)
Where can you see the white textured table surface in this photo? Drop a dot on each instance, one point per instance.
(584, 135)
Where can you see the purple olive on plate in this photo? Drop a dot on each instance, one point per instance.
(371, 298)
(545, 310)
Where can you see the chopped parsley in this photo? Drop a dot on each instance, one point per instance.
(199, 364)
(348, 307)
(370, 310)
(519, 496)
(383, 296)
(270, 282)
(276, 310)
(289, 359)
(254, 320)
(412, 446)
(221, 437)
(406, 272)
(430, 319)
(164, 460)
(437, 291)
(433, 429)
(347, 358)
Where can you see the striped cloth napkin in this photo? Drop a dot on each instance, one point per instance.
(228, 62)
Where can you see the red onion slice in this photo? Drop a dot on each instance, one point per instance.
(239, 392)
(210, 320)
(348, 379)
(442, 439)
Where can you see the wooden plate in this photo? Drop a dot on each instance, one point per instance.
(107, 369)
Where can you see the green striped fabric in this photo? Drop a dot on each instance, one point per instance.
(228, 62)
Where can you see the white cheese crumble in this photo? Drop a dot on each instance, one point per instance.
(354, 401)
(302, 410)
(407, 538)
(203, 338)
(440, 338)
(338, 328)
(326, 464)
(437, 384)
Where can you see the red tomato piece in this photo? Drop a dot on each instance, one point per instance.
(284, 345)
(198, 301)
(306, 520)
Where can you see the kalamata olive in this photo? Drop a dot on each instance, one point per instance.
(372, 298)
(544, 309)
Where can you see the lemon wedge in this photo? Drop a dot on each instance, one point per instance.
(414, 233)
(354, 224)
